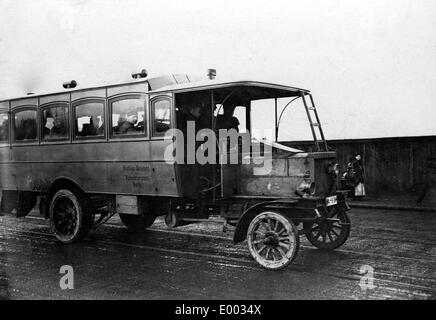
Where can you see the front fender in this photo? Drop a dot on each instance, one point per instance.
(244, 221)
(288, 207)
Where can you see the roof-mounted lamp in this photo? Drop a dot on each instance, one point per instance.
(139, 75)
(211, 73)
(70, 84)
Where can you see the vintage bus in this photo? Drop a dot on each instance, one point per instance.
(87, 154)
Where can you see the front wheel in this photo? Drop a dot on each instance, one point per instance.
(70, 221)
(331, 233)
(273, 240)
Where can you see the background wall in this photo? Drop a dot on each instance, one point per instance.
(394, 167)
(368, 63)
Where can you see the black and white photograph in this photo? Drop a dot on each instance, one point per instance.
(218, 155)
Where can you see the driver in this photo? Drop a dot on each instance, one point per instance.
(227, 120)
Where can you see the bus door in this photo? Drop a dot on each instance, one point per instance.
(232, 157)
(192, 114)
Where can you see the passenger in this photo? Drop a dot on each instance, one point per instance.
(89, 129)
(4, 131)
(129, 124)
(59, 130)
(191, 113)
(99, 124)
(29, 129)
(120, 122)
(46, 129)
(19, 132)
(140, 126)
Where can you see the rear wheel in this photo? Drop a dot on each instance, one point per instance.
(329, 234)
(137, 223)
(273, 240)
(70, 220)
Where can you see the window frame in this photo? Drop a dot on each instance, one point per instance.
(6, 142)
(129, 96)
(13, 129)
(153, 101)
(49, 105)
(74, 137)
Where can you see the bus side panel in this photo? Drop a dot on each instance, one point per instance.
(142, 178)
(135, 167)
(5, 154)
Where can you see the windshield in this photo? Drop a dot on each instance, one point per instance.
(267, 114)
(291, 119)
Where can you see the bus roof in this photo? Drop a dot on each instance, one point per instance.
(176, 83)
(212, 84)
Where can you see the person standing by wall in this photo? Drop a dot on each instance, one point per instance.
(347, 180)
(358, 176)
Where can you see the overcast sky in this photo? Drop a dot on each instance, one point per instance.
(371, 65)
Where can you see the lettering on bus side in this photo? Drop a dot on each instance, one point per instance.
(40, 185)
(136, 174)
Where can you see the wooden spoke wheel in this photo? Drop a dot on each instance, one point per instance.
(330, 233)
(69, 219)
(273, 240)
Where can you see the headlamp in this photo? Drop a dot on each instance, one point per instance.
(306, 188)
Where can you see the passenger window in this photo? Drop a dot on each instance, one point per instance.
(161, 113)
(128, 117)
(89, 119)
(25, 125)
(55, 123)
(4, 127)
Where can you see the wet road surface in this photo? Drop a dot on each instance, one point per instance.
(200, 262)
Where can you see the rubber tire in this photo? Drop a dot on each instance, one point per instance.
(330, 245)
(84, 217)
(290, 226)
(137, 223)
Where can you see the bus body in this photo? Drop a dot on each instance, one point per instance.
(87, 154)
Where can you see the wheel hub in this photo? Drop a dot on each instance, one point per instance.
(271, 239)
(324, 227)
(65, 216)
